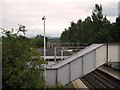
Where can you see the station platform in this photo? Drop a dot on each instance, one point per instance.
(77, 84)
(115, 65)
(111, 71)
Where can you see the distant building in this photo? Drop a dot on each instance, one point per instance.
(50, 54)
(119, 8)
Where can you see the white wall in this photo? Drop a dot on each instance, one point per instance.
(76, 68)
(63, 74)
(51, 77)
(113, 53)
(100, 55)
(88, 62)
(118, 53)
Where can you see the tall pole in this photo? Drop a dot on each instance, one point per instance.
(44, 52)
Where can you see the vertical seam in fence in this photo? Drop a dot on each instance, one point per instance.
(107, 54)
(118, 53)
(56, 77)
(69, 71)
(95, 58)
(82, 65)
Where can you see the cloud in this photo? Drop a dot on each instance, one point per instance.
(59, 14)
(111, 9)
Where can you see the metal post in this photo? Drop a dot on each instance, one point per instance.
(107, 54)
(82, 66)
(54, 54)
(44, 52)
(61, 54)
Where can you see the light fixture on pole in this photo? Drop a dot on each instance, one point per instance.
(44, 52)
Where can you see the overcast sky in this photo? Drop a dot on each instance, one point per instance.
(59, 14)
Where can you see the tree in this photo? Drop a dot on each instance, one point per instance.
(38, 41)
(115, 30)
(97, 17)
(64, 36)
(20, 61)
(95, 30)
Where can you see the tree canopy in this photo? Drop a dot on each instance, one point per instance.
(94, 29)
(38, 41)
(20, 61)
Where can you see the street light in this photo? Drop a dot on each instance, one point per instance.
(44, 52)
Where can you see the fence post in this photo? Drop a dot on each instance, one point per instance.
(56, 77)
(107, 54)
(70, 71)
(82, 66)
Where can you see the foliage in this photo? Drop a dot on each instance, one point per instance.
(20, 61)
(38, 41)
(93, 30)
(59, 87)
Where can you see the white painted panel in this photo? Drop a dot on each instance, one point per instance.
(76, 69)
(88, 62)
(57, 57)
(51, 77)
(100, 56)
(112, 53)
(119, 53)
(63, 74)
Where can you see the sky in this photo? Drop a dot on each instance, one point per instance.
(59, 14)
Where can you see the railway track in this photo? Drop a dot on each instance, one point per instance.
(99, 79)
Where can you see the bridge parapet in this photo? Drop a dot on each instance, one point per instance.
(81, 63)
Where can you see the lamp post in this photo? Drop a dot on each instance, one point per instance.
(44, 52)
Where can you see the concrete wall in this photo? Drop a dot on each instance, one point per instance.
(113, 53)
(100, 55)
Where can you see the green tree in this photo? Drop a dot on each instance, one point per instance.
(115, 31)
(64, 36)
(20, 61)
(95, 30)
(97, 17)
(103, 36)
(38, 41)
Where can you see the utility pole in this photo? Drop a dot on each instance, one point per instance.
(44, 53)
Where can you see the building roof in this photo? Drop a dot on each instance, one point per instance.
(50, 52)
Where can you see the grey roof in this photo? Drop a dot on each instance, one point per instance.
(50, 52)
